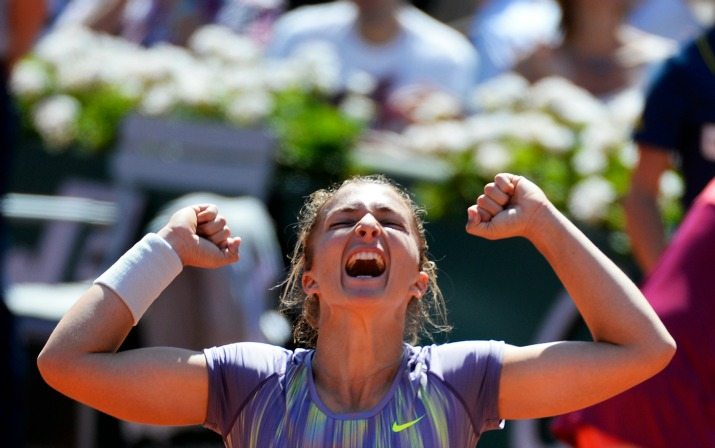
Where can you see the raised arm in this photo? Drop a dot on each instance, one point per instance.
(153, 385)
(644, 222)
(630, 344)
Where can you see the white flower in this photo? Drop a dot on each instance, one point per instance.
(221, 42)
(451, 136)
(80, 75)
(555, 139)
(123, 68)
(501, 92)
(320, 65)
(198, 86)
(55, 118)
(65, 44)
(492, 158)
(569, 102)
(249, 79)
(358, 107)
(164, 61)
(589, 161)
(628, 154)
(544, 130)
(419, 138)
(250, 107)
(671, 185)
(590, 199)
(361, 83)
(436, 105)
(159, 100)
(437, 137)
(284, 74)
(29, 78)
(625, 108)
(488, 127)
(602, 136)
(208, 39)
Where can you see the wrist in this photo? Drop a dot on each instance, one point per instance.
(142, 273)
(176, 238)
(544, 224)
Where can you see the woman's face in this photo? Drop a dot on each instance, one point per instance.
(364, 250)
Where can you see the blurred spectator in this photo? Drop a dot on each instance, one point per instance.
(506, 31)
(424, 5)
(148, 22)
(410, 55)
(141, 21)
(598, 51)
(677, 406)
(20, 22)
(253, 18)
(677, 129)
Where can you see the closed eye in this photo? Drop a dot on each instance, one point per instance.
(393, 224)
(341, 224)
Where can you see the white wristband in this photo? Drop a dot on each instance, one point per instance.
(142, 273)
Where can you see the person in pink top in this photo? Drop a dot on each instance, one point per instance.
(677, 406)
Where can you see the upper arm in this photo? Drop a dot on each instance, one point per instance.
(154, 385)
(160, 385)
(554, 378)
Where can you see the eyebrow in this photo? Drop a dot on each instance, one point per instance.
(355, 207)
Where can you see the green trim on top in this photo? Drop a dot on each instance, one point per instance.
(706, 52)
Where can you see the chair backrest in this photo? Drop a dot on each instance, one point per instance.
(183, 156)
(85, 225)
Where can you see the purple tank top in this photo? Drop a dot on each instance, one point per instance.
(443, 396)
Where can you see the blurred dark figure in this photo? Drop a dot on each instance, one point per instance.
(677, 129)
(20, 22)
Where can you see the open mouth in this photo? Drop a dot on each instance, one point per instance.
(365, 264)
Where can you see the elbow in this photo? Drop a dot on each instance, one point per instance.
(672, 348)
(662, 353)
(51, 366)
(45, 364)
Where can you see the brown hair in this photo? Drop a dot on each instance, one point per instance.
(425, 316)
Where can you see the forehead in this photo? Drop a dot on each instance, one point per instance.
(374, 197)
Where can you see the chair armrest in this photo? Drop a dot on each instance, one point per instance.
(36, 207)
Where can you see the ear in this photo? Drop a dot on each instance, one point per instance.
(419, 287)
(310, 286)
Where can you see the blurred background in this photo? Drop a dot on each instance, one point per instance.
(117, 112)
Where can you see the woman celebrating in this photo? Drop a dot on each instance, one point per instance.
(364, 289)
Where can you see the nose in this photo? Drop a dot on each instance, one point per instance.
(368, 227)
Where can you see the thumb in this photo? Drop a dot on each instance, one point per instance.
(213, 256)
(473, 217)
(476, 220)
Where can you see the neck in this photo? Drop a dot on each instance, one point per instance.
(355, 365)
(597, 32)
(379, 26)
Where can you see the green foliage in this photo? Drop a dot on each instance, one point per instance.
(315, 136)
(102, 112)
